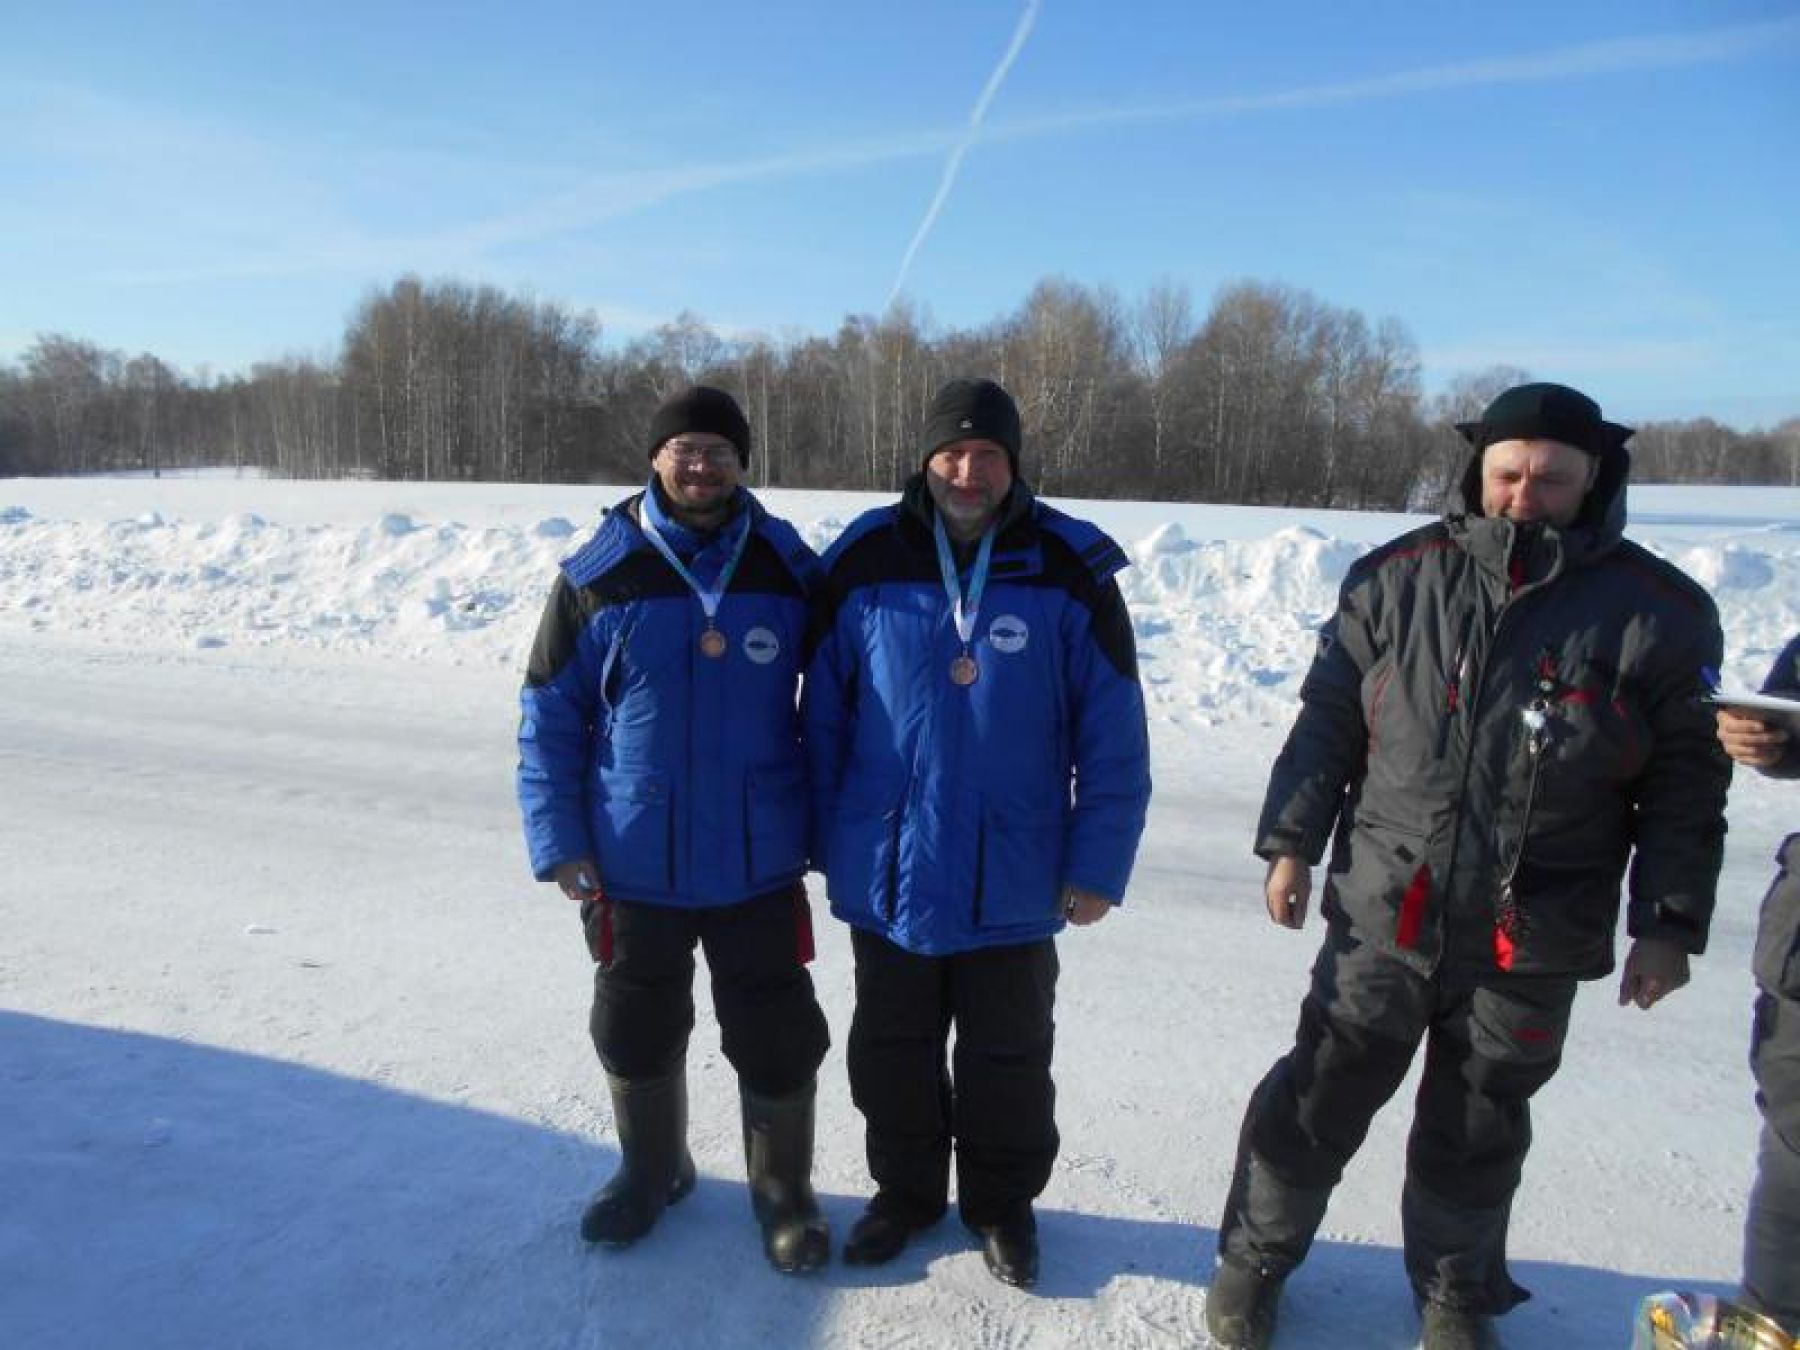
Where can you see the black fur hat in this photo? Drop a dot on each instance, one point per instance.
(1552, 412)
(1548, 412)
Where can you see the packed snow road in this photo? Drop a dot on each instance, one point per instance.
(294, 1054)
(293, 1051)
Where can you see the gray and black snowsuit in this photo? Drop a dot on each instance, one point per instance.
(1502, 724)
(1772, 1229)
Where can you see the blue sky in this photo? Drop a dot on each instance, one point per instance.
(1603, 193)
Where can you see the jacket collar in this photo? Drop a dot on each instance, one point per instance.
(1522, 556)
(1017, 520)
(1539, 553)
(746, 512)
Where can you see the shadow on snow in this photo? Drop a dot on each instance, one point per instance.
(156, 1193)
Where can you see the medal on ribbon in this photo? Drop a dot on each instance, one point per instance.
(964, 608)
(713, 644)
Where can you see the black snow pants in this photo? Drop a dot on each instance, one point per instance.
(772, 1029)
(994, 1098)
(1772, 1229)
(1489, 1046)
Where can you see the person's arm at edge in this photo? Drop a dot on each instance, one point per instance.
(1110, 740)
(1679, 828)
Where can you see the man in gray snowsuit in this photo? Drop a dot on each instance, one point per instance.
(1503, 715)
(1772, 1230)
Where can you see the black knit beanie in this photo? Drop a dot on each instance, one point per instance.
(966, 410)
(701, 408)
(1548, 412)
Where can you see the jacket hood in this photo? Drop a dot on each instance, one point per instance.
(1602, 513)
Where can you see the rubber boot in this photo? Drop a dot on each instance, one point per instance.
(778, 1155)
(655, 1167)
(1241, 1306)
(1446, 1328)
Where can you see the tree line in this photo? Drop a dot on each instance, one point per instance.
(1271, 395)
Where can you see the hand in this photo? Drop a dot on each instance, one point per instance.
(1750, 740)
(1654, 969)
(1286, 890)
(579, 880)
(1081, 907)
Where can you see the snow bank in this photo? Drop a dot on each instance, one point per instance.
(1225, 600)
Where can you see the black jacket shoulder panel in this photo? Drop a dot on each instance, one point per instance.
(1405, 548)
(558, 630)
(1095, 589)
(1667, 578)
(875, 548)
(765, 570)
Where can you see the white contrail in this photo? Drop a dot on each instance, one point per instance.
(100, 127)
(1615, 56)
(1026, 21)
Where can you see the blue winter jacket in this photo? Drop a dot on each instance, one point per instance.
(680, 775)
(948, 818)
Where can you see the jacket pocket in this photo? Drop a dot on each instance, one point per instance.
(775, 820)
(634, 831)
(863, 860)
(1777, 960)
(1374, 880)
(1018, 868)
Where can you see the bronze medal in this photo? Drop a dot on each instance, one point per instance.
(964, 671)
(712, 644)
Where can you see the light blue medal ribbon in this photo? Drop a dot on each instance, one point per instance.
(963, 610)
(712, 641)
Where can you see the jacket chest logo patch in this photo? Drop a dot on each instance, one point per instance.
(1009, 633)
(761, 646)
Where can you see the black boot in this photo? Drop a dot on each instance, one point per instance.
(778, 1155)
(883, 1231)
(1009, 1247)
(1241, 1305)
(655, 1168)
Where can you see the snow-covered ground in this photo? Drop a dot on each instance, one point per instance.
(293, 1051)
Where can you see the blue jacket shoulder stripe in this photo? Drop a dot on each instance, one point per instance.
(1096, 549)
(616, 537)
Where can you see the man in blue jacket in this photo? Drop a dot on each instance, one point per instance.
(1772, 1230)
(981, 770)
(663, 789)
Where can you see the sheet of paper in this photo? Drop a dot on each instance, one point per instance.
(1770, 707)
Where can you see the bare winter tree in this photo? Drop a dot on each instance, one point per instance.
(67, 384)
(450, 381)
(1274, 395)
(1162, 325)
(1068, 354)
(149, 389)
(1463, 399)
(1391, 452)
(1787, 444)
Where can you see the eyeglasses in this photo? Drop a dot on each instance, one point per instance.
(710, 452)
